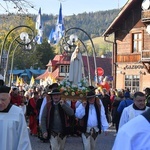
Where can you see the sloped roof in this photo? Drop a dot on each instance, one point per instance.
(24, 74)
(36, 72)
(28, 73)
(49, 63)
(121, 17)
(57, 57)
(55, 60)
(44, 75)
(65, 60)
(55, 73)
(15, 72)
(52, 63)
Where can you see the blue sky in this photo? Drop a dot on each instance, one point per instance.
(69, 7)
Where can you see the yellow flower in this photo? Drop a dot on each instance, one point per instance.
(66, 93)
(81, 95)
(73, 93)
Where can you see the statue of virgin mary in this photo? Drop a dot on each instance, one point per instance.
(76, 66)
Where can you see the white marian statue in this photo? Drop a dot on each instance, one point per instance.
(76, 66)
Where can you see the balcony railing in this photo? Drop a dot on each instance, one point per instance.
(145, 56)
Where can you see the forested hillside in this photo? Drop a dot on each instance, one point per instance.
(95, 23)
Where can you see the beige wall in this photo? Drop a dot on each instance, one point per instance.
(121, 72)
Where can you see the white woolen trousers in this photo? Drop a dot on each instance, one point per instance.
(89, 143)
(57, 143)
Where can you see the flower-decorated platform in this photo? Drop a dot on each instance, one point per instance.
(73, 98)
(74, 92)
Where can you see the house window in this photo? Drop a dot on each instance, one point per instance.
(50, 69)
(137, 42)
(132, 82)
(62, 69)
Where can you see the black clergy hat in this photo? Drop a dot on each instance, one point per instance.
(55, 92)
(4, 89)
(90, 94)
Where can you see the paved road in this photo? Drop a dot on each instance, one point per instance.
(75, 143)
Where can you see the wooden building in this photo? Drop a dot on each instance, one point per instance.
(131, 46)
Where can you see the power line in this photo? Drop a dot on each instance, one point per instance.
(16, 6)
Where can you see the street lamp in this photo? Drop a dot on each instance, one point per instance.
(69, 43)
(24, 36)
(25, 40)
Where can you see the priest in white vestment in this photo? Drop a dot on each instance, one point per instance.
(133, 110)
(134, 135)
(13, 128)
(76, 66)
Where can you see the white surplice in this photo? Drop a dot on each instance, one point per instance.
(129, 113)
(13, 130)
(134, 135)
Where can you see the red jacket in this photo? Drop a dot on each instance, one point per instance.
(16, 99)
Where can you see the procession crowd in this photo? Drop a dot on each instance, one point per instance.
(52, 119)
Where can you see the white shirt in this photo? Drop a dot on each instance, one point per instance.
(13, 130)
(78, 103)
(129, 113)
(134, 135)
(92, 118)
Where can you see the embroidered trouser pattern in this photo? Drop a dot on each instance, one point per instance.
(57, 141)
(89, 140)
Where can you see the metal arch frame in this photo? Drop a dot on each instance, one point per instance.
(89, 74)
(6, 67)
(32, 35)
(12, 64)
(93, 47)
(21, 26)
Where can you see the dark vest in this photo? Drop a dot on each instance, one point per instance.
(64, 118)
(83, 121)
